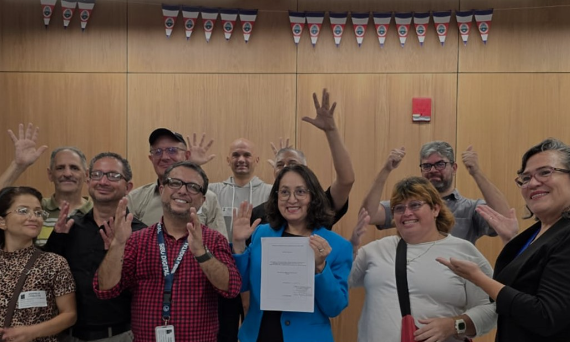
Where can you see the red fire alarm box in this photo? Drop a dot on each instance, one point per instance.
(421, 109)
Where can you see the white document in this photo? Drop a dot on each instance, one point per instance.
(287, 274)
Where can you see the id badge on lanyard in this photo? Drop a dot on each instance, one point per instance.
(165, 333)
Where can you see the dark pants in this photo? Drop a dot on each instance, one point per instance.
(230, 312)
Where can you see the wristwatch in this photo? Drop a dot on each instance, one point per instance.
(207, 256)
(460, 326)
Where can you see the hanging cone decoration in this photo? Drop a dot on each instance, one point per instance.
(47, 10)
(359, 24)
(229, 17)
(441, 22)
(483, 19)
(403, 21)
(169, 14)
(297, 20)
(421, 21)
(314, 22)
(190, 15)
(85, 9)
(382, 24)
(464, 20)
(209, 17)
(247, 18)
(338, 23)
(68, 8)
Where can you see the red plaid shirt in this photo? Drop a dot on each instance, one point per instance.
(194, 306)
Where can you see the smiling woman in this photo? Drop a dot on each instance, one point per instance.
(297, 207)
(44, 304)
(530, 283)
(445, 306)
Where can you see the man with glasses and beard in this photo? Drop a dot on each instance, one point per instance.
(437, 164)
(80, 242)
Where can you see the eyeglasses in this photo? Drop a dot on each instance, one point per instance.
(285, 194)
(170, 151)
(175, 183)
(112, 176)
(413, 206)
(23, 211)
(541, 174)
(440, 165)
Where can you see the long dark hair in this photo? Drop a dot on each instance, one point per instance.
(319, 212)
(8, 196)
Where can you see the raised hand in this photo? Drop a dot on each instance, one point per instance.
(121, 226)
(360, 228)
(199, 151)
(194, 227)
(241, 228)
(498, 222)
(322, 249)
(324, 119)
(471, 160)
(63, 225)
(107, 233)
(26, 152)
(282, 144)
(395, 158)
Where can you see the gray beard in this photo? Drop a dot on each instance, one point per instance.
(442, 186)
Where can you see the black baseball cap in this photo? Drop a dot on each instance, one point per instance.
(159, 132)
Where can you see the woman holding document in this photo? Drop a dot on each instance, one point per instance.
(297, 207)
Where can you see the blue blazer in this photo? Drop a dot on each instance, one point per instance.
(331, 290)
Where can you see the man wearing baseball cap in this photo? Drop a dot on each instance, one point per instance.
(166, 148)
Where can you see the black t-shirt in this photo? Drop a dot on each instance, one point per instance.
(259, 211)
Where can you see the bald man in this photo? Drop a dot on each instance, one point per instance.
(243, 185)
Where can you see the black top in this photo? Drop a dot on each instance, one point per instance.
(534, 305)
(84, 250)
(259, 211)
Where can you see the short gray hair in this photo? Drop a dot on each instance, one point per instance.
(440, 147)
(71, 149)
(290, 149)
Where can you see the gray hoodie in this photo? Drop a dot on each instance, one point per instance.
(231, 196)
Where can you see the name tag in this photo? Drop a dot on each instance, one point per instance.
(227, 211)
(164, 333)
(32, 299)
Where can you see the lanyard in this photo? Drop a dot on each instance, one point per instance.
(168, 273)
(528, 242)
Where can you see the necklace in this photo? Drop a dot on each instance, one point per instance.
(427, 250)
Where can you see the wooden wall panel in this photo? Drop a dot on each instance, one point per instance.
(83, 110)
(372, 5)
(26, 45)
(373, 114)
(268, 50)
(226, 107)
(502, 125)
(525, 40)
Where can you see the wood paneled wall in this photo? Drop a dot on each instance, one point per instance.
(107, 88)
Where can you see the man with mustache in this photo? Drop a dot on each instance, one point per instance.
(67, 171)
(437, 164)
(80, 242)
